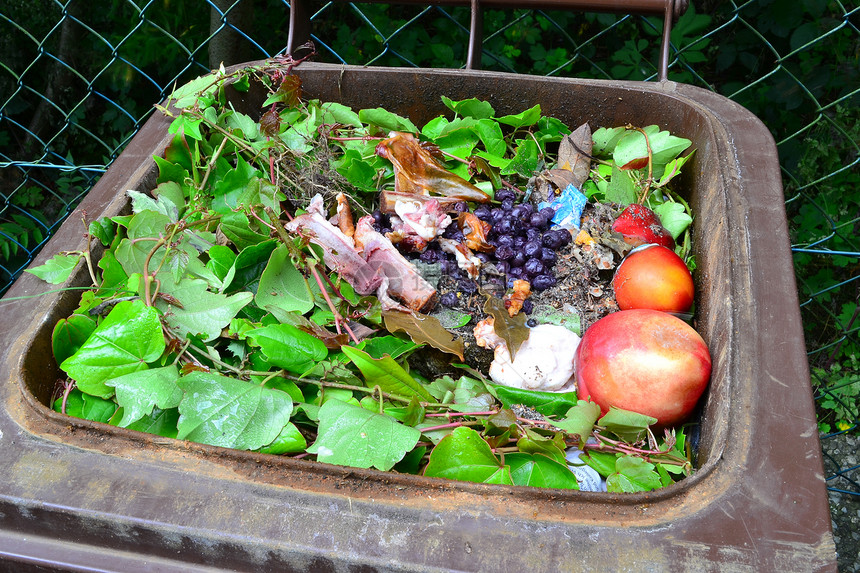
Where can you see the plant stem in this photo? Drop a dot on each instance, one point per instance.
(457, 414)
(452, 425)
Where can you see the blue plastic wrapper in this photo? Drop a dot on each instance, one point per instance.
(568, 207)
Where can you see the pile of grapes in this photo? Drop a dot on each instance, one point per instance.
(523, 246)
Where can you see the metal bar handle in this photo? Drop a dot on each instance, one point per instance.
(671, 10)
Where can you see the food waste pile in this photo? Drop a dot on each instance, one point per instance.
(488, 297)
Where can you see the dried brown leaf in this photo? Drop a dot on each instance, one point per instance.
(424, 329)
(574, 154)
(512, 329)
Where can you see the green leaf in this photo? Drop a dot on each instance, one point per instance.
(87, 407)
(471, 107)
(160, 423)
(525, 161)
(139, 392)
(357, 170)
(534, 443)
(601, 462)
(221, 260)
(490, 133)
(627, 425)
(522, 119)
(673, 217)
(622, 188)
(249, 265)
(287, 347)
(238, 228)
(57, 269)
(537, 470)
(631, 150)
(103, 229)
(386, 120)
(547, 403)
(282, 285)
(203, 312)
(227, 191)
(231, 413)
(128, 338)
(334, 112)
(632, 474)
(386, 373)
(143, 202)
(463, 455)
(352, 436)
(605, 139)
(70, 334)
(580, 419)
(378, 346)
(289, 441)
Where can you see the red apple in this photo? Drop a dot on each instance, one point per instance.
(653, 277)
(645, 361)
(640, 225)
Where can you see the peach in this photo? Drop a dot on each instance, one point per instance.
(645, 361)
(652, 276)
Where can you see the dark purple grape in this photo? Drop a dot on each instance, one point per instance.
(503, 227)
(547, 256)
(528, 209)
(467, 286)
(564, 237)
(528, 307)
(461, 207)
(504, 253)
(534, 267)
(537, 220)
(429, 256)
(503, 266)
(515, 273)
(483, 257)
(551, 239)
(542, 282)
(518, 260)
(448, 299)
(497, 214)
(458, 235)
(449, 267)
(483, 213)
(508, 204)
(533, 234)
(547, 212)
(519, 242)
(519, 211)
(503, 194)
(504, 241)
(532, 248)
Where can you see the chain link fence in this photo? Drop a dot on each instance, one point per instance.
(76, 83)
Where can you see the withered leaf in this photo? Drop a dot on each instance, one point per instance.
(574, 154)
(512, 329)
(561, 178)
(422, 328)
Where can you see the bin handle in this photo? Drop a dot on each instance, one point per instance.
(300, 19)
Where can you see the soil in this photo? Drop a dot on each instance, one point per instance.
(842, 470)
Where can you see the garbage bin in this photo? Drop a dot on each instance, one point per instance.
(81, 495)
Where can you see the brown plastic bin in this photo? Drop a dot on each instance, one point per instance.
(80, 496)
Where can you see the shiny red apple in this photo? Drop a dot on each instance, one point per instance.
(653, 277)
(639, 225)
(645, 361)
